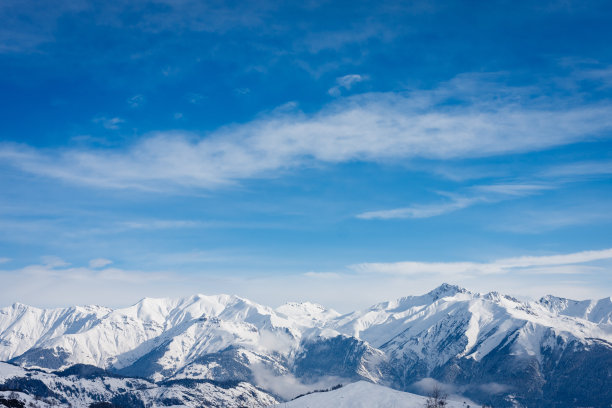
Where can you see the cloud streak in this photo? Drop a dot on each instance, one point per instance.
(55, 282)
(373, 127)
(561, 264)
(346, 82)
(477, 195)
(422, 211)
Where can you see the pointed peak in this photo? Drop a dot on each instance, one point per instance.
(555, 300)
(446, 289)
(310, 305)
(498, 297)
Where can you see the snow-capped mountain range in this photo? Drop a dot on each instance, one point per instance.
(490, 347)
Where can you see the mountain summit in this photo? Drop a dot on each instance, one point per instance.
(492, 347)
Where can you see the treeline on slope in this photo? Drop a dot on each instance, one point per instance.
(335, 387)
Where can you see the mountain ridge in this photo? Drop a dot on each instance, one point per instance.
(449, 333)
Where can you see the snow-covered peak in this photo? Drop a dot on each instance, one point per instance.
(409, 302)
(23, 327)
(225, 337)
(446, 290)
(307, 314)
(477, 323)
(596, 311)
(181, 330)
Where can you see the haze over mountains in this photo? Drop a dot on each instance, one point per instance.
(489, 347)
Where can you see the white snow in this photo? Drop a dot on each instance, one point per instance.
(363, 395)
(81, 392)
(470, 325)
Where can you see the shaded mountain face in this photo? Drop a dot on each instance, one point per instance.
(490, 347)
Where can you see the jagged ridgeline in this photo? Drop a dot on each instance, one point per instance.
(227, 351)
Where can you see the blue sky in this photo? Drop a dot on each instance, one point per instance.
(340, 152)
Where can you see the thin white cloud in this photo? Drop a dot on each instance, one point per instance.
(326, 275)
(535, 221)
(515, 189)
(4, 260)
(578, 169)
(575, 275)
(163, 224)
(136, 101)
(533, 264)
(421, 211)
(60, 284)
(317, 41)
(346, 82)
(109, 123)
(99, 263)
(92, 275)
(53, 261)
(479, 194)
(564, 259)
(374, 127)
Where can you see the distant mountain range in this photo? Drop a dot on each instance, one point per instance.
(209, 350)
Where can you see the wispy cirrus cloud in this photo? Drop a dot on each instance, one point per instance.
(580, 169)
(136, 101)
(534, 221)
(20, 34)
(576, 275)
(423, 211)
(373, 127)
(98, 270)
(479, 194)
(109, 123)
(99, 263)
(559, 264)
(346, 82)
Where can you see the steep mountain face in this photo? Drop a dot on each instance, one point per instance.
(163, 334)
(494, 348)
(596, 311)
(24, 327)
(490, 347)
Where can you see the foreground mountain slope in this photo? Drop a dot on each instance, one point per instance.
(83, 386)
(363, 394)
(492, 347)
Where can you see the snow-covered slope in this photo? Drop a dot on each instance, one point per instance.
(78, 391)
(450, 334)
(186, 329)
(596, 311)
(363, 394)
(308, 314)
(467, 324)
(24, 327)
